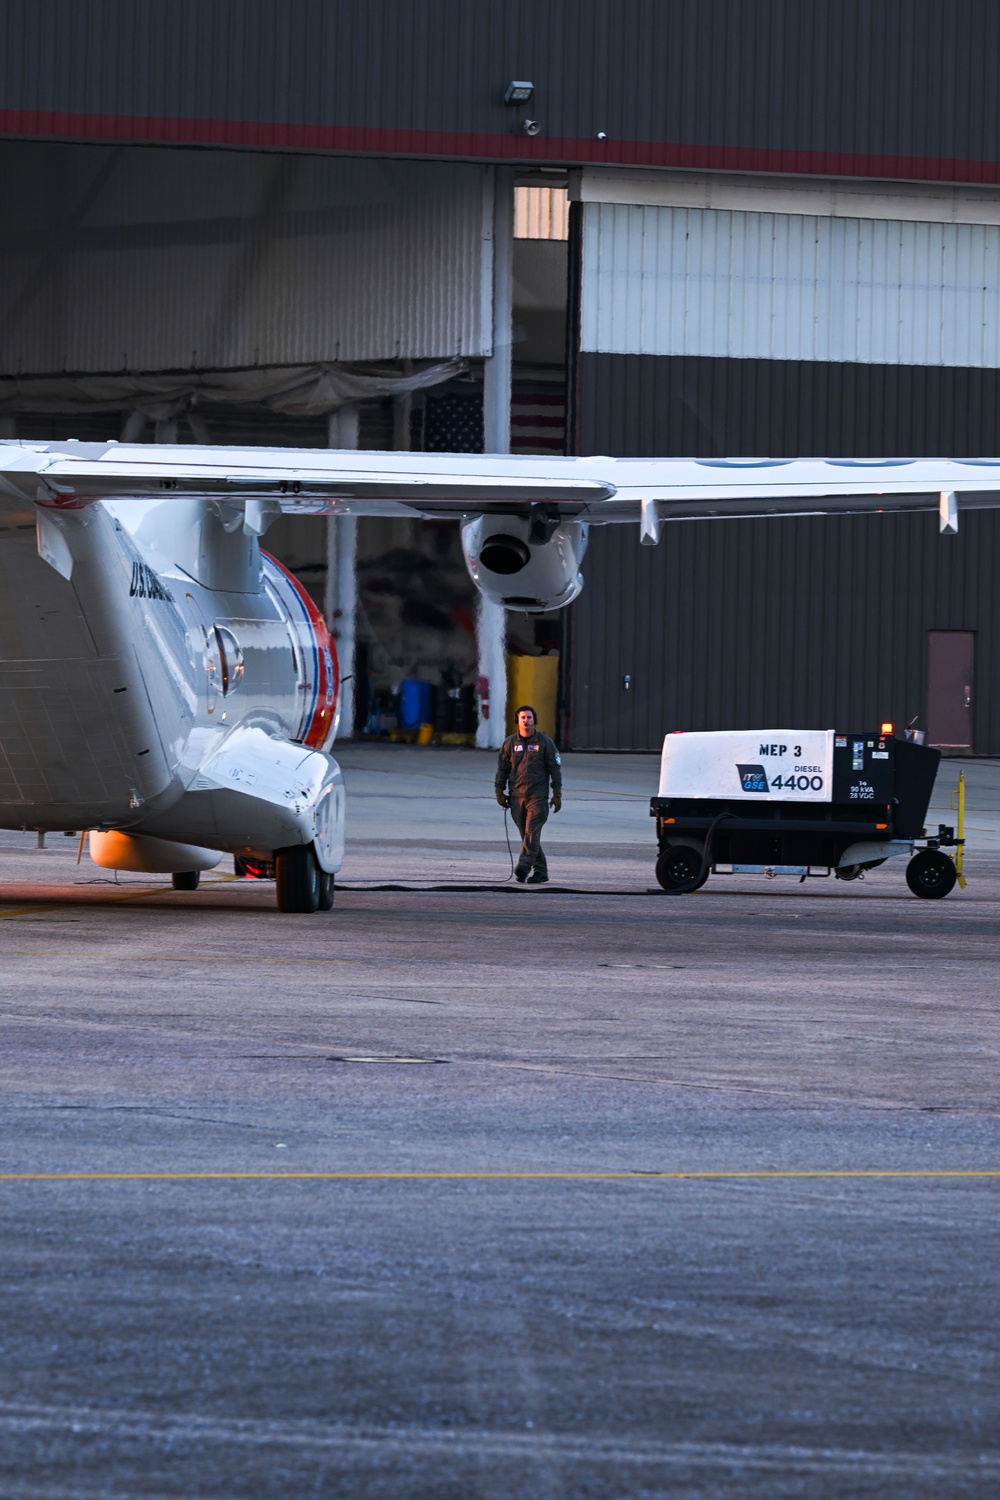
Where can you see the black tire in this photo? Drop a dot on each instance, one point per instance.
(298, 876)
(931, 874)
(185, 880)
(326, 885)
(678, 869)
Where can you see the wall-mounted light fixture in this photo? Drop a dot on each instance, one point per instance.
(518, 92)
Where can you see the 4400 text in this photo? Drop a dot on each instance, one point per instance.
(796, 783)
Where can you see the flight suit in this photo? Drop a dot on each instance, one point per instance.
(525, 770)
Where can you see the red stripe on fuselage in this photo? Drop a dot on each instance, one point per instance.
(318, 732)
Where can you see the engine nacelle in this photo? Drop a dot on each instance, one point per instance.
(525, 562)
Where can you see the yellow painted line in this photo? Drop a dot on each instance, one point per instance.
(23, 911)
(26, 911)
(110, 895)
(597, 1176)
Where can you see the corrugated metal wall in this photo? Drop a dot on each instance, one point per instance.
(541, 213)
(715, 408)
(118, 258)
(809, 623)
(802, 622)
(669, 281)
(901, 88)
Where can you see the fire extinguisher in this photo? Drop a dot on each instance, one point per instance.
(483, 691)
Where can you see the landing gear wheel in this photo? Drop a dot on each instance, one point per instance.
(931, 874)
(326, 883)
(298, 877)
(185, 880)
(678, 869)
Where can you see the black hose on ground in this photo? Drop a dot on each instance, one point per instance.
(706, 858)
(510, 852)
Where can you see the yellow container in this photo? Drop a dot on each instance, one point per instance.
(534, 680)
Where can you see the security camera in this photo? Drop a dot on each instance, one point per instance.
(531, 127)
(602, 135)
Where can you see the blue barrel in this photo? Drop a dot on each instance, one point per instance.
(414, 702)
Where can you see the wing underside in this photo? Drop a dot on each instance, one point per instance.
(70, 476)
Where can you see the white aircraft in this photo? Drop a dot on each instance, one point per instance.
(171, 688)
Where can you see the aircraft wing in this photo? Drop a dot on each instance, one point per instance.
(329, 482)
(317, 481)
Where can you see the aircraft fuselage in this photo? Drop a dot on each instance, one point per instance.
(159, 674)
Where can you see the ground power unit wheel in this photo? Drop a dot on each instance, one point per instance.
(678, 869)
(931, 874)
(185, 880)
(298, 879)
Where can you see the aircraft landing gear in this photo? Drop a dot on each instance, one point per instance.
(185, 880)
(302, 885)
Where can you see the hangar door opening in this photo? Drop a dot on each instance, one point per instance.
(950, 667)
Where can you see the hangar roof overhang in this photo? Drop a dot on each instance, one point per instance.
(826, 90)
(500, 148)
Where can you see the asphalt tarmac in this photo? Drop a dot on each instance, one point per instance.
(497, 1192)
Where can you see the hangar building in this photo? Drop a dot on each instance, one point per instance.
(702, 228)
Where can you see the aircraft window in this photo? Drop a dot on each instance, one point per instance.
(230, 659)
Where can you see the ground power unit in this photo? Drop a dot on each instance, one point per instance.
(798, 802)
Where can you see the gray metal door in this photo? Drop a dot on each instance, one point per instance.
(950, 661)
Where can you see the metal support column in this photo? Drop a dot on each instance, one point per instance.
(491, 621)
(341, 573)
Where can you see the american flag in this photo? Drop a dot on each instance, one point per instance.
(453, 422)
(537, 420)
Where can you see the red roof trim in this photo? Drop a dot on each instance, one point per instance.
(264, 135)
